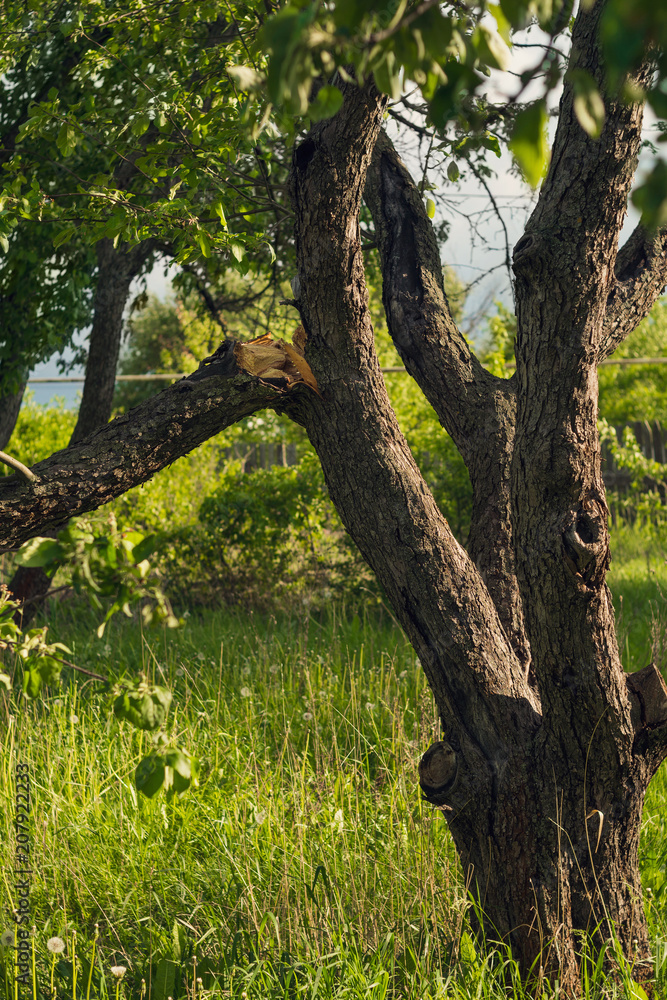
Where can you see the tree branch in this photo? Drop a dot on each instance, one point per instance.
(432, 348)
(641, 277)
(564, 268)
(476, 408)
(133, 447)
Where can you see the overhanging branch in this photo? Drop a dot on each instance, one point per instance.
(132, 448)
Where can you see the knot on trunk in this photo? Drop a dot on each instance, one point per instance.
(650, 697)
(585, 543)
(438, 771)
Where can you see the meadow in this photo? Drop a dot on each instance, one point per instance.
(304, 863)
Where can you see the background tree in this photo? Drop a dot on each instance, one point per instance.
(548, 747)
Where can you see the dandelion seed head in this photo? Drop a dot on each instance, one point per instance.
(55, 945)
(274, 668)
(73, 718)
(245, 692)
(118, 971)
(7, 939)
(307, 716)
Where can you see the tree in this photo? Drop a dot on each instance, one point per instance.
(548, 747)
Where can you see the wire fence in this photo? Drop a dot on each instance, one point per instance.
(171, 377)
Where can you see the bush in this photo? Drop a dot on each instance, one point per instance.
(267, 538)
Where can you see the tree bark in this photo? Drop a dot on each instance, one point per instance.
(132, 448)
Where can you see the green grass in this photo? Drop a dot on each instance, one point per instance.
(305, 845)
(305, 863)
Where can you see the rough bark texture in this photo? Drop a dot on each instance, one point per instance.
(132, 448)
(545, 763)
(548, 747)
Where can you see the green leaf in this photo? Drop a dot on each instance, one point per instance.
(64, 236)
(245, 77)
(328, 101)
(145, 548)
(218, 209)
(529, 142)
(39, 552)
(517, 12)
(140, 124)
(467, 950)
(183, 768)
(453, 171)
(279, 36)
(4, 243)
(203, 239)
(588, 104)
(6, 681)
(491, 48)
(504, 27)
(32, 682)
(636, 991)
(49, 669)
(238, 250)
(164, 981)
(146, 708)
(387, 76)
(149, 775)
(67, 137)
(430, 208)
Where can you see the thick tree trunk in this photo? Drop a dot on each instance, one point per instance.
(544, 764)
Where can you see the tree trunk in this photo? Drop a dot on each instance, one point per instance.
(116, 271)
(545, 758)
(10, 406)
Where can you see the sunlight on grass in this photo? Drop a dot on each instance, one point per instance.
(305, 862)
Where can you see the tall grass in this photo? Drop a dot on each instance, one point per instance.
(304, 863)
(305, 846)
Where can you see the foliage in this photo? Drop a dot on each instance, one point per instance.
(448, 52)
(114, 566)
(638, 392)
(269, 538)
